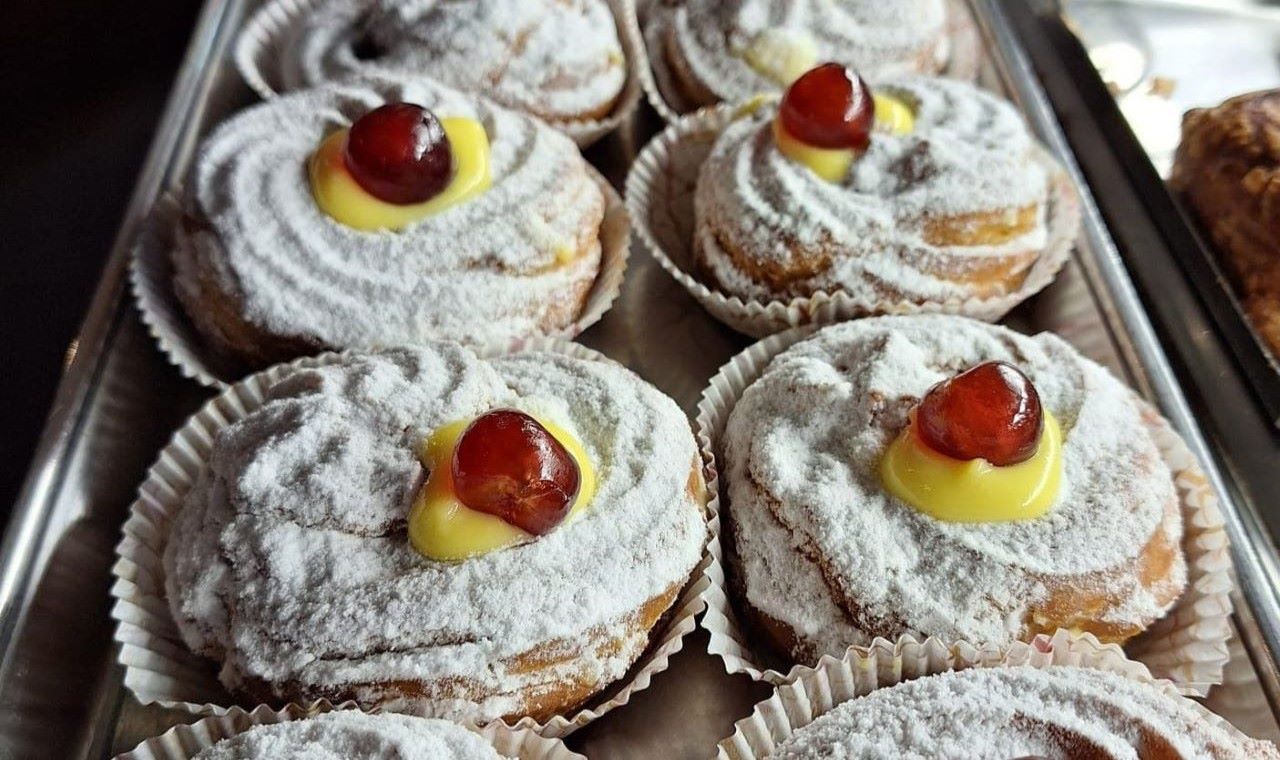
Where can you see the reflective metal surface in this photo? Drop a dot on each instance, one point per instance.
(60, 693)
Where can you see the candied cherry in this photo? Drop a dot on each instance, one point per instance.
(399, 153)
(829, 107)
(508, 465)
(990, 412)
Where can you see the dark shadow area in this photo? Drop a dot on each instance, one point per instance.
(82, 84)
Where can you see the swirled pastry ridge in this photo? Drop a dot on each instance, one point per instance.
(289, 563)
(560, 60)
(1010, 712)
(352, 734)
(953, 210)
(266, 275)
(825, 558)
(705, 40)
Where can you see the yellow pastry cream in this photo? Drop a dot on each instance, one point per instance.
(832, 164)
(974, 490)
(341, 197)
(780, 55)
(443, 528)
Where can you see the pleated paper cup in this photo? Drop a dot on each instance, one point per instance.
(651, 19)
(260, 50)
(151, 280)
(160, 669)
(186, 741)
(660, 192)
(1188, 646)
(814, 692)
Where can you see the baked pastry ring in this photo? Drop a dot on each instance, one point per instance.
(559, 60)
(266, 275)
(1015, 712)
(710, 45)
(1228, 168)
(823, 557)
(288, 562)
(953, 210)
(354, 735)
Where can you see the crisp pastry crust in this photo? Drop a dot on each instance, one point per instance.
(955, 210)
(559, 60)
(1228, 168)
(703, 41)
(289, 563)
(1014, 712)
(350, 735)
(822, 557)
(266, 275)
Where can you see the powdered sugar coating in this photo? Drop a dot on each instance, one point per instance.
(483, 270)
(558, 59)
(969, 152)
(289, 560)
(1011, 712)
(875, 37)
(352, 735)
(802, 449)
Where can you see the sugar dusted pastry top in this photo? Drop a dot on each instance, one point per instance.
(289, 559)
(1057, 712)
(558, 59)
(872, 36)
(969, 152)
(353, 735)
(483, 270)
(820, 539)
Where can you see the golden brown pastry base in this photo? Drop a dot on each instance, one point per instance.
(1228, 168)
(554, 685)
(219, 315)
(985, 277)
(1075, 602)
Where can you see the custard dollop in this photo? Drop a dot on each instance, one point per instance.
(973, 490)
(342, 198)
(443, 528)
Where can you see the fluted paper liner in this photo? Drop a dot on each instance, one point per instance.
(151, 280)
(260, 44)
(650, 17)
(185, 741)
(158, 666)
(813, 692)
(1188, 646)
(659, 196)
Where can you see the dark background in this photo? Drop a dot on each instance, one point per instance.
(82, 84)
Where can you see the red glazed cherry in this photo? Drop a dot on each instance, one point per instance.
(508, 465)
(399, 153)
(829, 107)
(990, 412)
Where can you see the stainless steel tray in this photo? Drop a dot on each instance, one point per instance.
(60, 691)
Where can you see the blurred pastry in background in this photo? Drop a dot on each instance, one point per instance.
(1228, 170)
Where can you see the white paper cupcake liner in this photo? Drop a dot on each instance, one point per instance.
(813, 692)
(158, 666)
(1188, 646)
(186, 741)
(259, 50)
(151, 280)
(660, 192)
(650, 18)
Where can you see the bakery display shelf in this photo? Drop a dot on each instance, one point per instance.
(1174, 272)
(60, 691)
(1155, 58)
